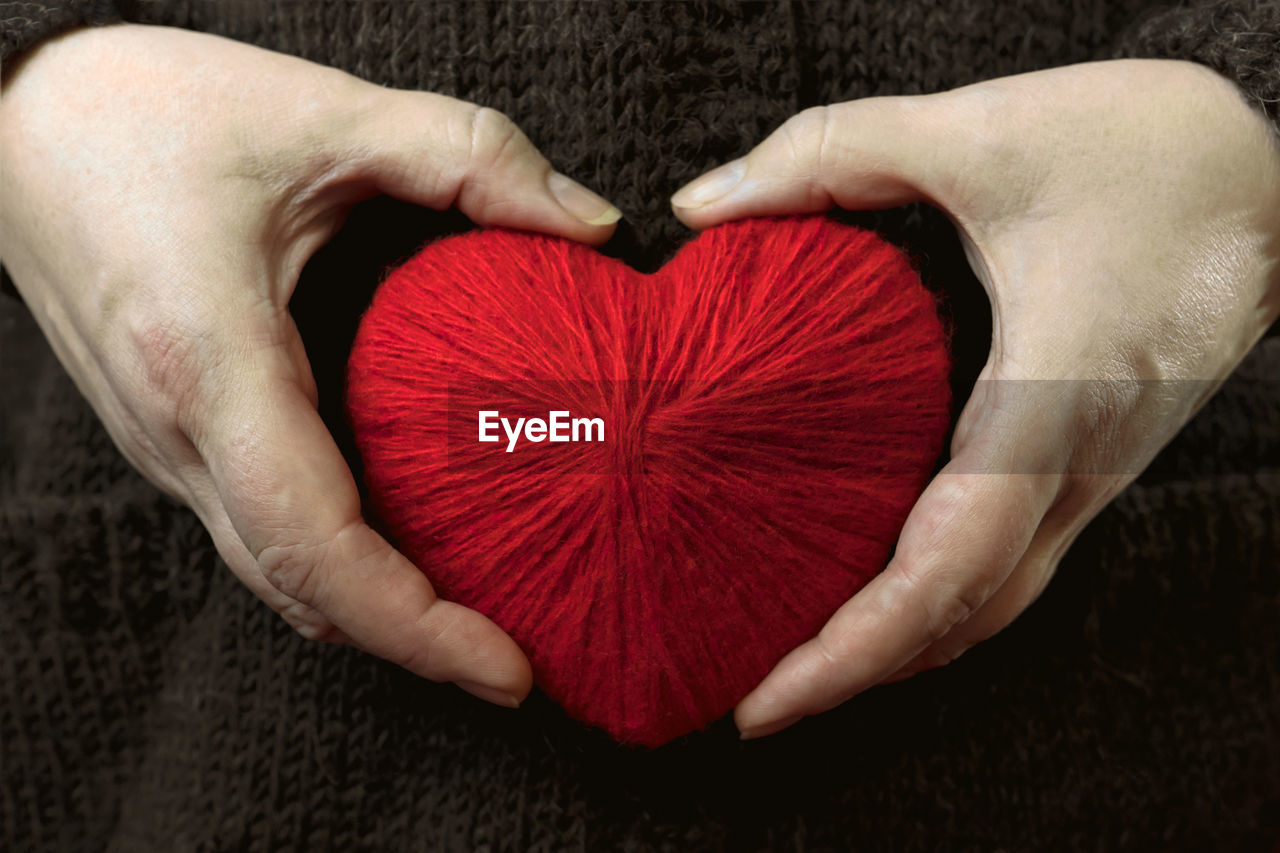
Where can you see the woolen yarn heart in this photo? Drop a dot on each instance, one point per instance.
(771, 403)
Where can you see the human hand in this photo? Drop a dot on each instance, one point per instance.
(160, 192)
(1124, 218)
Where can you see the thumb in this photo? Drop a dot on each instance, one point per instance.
(868, 153)
(442, 152)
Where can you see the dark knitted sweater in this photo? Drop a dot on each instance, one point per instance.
(149, 702)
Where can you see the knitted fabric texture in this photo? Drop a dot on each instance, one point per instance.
(757, 419)
(150, 703)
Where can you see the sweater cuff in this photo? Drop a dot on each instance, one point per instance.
(23, 23)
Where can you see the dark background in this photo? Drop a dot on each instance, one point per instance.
(148, 702)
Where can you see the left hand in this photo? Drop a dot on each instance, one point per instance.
(1124, 218)
(160, 191)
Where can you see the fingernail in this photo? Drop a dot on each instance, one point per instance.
(582, 202)
(713, 185)
(770, 728)
(489, 694)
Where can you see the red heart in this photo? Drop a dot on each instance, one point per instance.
(772, 402)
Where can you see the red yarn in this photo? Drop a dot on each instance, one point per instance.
(773, 402)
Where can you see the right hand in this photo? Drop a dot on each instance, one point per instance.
(161, 191)
(1124, 218)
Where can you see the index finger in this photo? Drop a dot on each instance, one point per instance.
(960, 542)
(293, 502)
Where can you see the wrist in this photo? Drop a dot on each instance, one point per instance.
(58, 50)
(28, 25)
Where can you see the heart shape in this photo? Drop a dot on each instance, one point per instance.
(771, 404)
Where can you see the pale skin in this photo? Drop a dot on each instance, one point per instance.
(1124, 218)
(162, 189)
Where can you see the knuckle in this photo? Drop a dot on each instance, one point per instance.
(294, 567)
(326, 98)
(950, 498)
(808, 135)
(178, 363)
(492, 136)
(308, 623)
(951, 608)
(977, 125)
(946, 601)
(970, 112)
(427, 651)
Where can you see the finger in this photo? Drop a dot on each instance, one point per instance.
(306, 620)
(439, 152)
(295, 508)
(1023, 586)
(969, 529)
(1061, 526)
(873, 152)
(959, 544)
